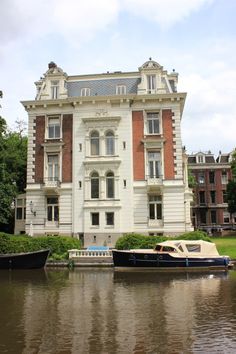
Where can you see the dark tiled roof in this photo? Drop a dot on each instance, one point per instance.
(103, 87)
(191, 159)
(209, 159)
(224, 158)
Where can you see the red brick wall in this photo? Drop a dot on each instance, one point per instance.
(168, 146)
(39, 154)
(138, 147)
(67, 137)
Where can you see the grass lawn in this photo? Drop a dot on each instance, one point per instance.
(226, 245)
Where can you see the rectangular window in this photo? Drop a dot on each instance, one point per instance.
(154, 164)
(202, 216)
(211, 177)
(151, 83)
(153, 123)
(120, 89)
(95, 219)
(202, 197)
(54, 89)
(110, 219)
(225, 196)
(201, 178)
(200, 159)
(53, 167)
(85, 91)
(155, 207)
(54, 129)
(224, 177)
(226, 217)
(52, 209)
(213, 216)
(20, 209)
(213, 196)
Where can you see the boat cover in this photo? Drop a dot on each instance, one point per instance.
(190, 248)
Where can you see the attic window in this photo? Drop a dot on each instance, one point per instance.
(85, 91)
(120, 89)
(151, 83)
(54, 89)
(200, 159)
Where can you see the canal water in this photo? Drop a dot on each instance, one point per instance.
(101, 311)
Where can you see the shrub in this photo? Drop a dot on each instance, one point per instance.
(131, 241)
(194, 235)
(58, 245)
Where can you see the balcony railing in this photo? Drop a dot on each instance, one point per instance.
(51, 183)
(74, 253)
(153, 180)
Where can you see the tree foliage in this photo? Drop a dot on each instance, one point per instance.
(13, 162)
(231, 186)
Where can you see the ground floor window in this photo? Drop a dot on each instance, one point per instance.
(95, 219)
(202, 216)
(213, 217)
(110, 219)
(226, 217)
(52, 209)
(20, 209)
(155, 207)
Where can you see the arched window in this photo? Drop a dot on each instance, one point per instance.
(110, 185)
(94, 143)
(110, 143)
(94, 185)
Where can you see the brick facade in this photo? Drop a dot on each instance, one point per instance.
(67, 148)
(138, 147)
(168, 146)
(39, 153)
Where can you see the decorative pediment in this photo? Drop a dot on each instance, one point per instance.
(53, 69)
(150, 65)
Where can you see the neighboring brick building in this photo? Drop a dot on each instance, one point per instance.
(210, 199)
(105, 155)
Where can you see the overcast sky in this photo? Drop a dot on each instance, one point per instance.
(195, 37)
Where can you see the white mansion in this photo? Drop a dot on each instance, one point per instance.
(105, 156)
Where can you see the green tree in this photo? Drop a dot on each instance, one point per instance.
(13, 162)
(231, 187)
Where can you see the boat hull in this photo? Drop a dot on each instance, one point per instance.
(30, 260)
(166, 261)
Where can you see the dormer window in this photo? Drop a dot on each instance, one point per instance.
(85, 91)
(200, 159)
(54, 89)
(151, 83)
(120, 89)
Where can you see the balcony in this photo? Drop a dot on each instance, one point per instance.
(154, 182)
(51, 184)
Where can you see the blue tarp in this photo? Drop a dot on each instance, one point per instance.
(97, 248)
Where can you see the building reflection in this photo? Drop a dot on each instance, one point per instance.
(98, 311)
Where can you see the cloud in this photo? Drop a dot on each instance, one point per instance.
(76, 20)
(210, 114)
(165, 12)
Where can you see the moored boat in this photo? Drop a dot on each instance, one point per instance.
(173, 255)
(29, 260)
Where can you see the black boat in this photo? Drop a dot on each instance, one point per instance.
(173, 255)
(30, 260)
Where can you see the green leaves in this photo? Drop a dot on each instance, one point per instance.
(13, 164)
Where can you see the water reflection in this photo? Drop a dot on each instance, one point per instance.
(99, 311)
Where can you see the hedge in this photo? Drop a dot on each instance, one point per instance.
(131, 241)
(58, 245)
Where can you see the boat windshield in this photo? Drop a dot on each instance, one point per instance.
(161, 248)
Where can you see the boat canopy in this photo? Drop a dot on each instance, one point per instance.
(188, 247)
